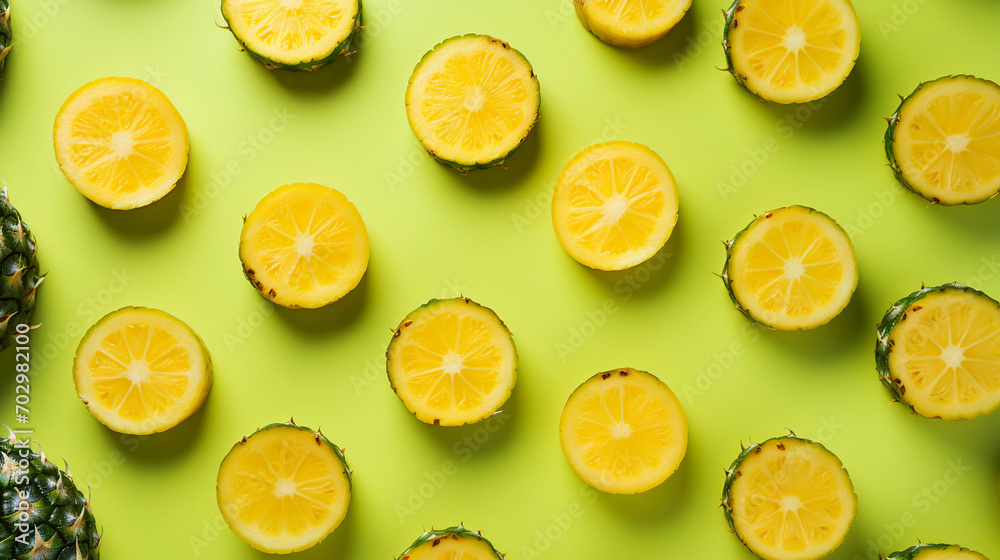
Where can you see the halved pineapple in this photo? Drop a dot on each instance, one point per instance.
(791, 269)
(452, 362)
(792, 51)
(121, 142)
(284, 489)
(614, 205)
(789, 499)
(142, 371)
(938, 352)
(630, 23)
(296, 34)
(927, 551)
(623, 431)
(943, 142)
(471, 101)
(304, 246)
(453, 543)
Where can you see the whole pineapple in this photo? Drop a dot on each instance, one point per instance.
(18, 270)
(5, 34)
(42, 513)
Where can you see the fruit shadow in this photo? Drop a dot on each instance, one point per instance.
(982, 219)
(497, 180)
(330, 319)
(323, 81)
(658, 505)
(855, 545)
(672, 48)
(980, 436)
(146, 221)
(645, 279)
(338, 544)
(477, 440)
(165, 447)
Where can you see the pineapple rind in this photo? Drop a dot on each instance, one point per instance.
(914, 552)
(457, 532)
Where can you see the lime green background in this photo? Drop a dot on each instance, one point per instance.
(436, 233)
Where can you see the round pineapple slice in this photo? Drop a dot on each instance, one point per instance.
(793, 51)
(452, 362)
(471, 101)
(294, 35)
(789, 499)
(926, 551)
(938, 352)
(791, 269)
(142, 371)
(284, 489)
(623, 431)
(453, 543)
(121, 143)
(614, 205)
(630, 23)
(943, 142)
(304, 246)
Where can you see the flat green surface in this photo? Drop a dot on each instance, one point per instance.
(435, 233)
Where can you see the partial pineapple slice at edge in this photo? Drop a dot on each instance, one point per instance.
(931, 551)
(453, 543)
(630, 23)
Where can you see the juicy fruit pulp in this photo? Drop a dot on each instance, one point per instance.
(299, 35)
(630, 23)
(623, 431)
(453, 543)
(59, 521)
(452, 362)
(121, 142)
(142, 371)
(789, 499)
(791, 51)
(938, 352)
(925, 551)
(944, 140)
(284, 488)
(791, 269)
(19, 277)
(304, 246)
(472, 101)
(614, 205)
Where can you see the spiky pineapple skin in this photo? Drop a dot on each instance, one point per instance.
(458, 532)
(6, 36)
(895, 314)
(19, 275)
(341, 50)
(61, 525)
(914, 552)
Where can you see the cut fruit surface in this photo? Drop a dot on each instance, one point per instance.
(142, 371)
(452, 362)
(943, 143)
(615, 205)
(294, 35)
(789, 499)
(791, 269)
(623, 431)
(925, 551)
(284, 489)
(472, 101)
(791, 51)
(630, 23)
(938, 352)
(304, 246)
(121, 142)
(453, 543)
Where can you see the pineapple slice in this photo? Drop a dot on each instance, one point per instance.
(142, 371)
(453, 543)
(284, 489)
(298, 35)
(793, 51)
(791, 269)
(623, 431)
(121, 143)
(614, 205)
(471, 101)
(943, 142)
(938, 352)
(452, 362)
(926, 551)
(789, 499)
(630, 23)
(304, 246)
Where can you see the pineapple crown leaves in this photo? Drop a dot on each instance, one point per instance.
(457, 532)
